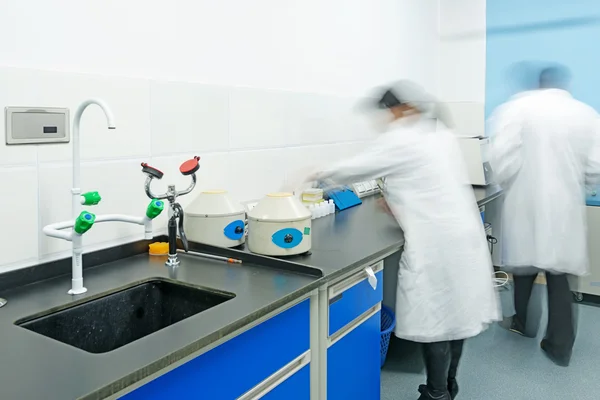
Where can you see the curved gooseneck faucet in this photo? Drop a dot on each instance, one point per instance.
(110, 119)
(82, 221)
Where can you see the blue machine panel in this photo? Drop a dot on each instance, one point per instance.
(235, 230)
(354, 363)
(287, 238)
(349, 305)
(236, 366)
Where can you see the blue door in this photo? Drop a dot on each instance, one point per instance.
(353, 363)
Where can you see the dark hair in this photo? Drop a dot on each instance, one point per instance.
(555, 77)
(388, 100)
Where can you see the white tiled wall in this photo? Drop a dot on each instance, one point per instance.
(275, 83)
(462, 58)
(251, 142)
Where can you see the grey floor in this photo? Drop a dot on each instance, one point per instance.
(499, 364)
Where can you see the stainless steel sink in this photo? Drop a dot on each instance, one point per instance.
(116, 319)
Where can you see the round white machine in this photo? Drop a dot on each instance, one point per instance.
(279, 225)
(214, 219)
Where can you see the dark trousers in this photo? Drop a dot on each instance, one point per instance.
(441, 362)
(560, 333)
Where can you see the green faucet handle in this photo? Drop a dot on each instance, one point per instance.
(84, 222)
(91, 198)
(155, 208)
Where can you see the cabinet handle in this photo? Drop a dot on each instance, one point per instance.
(357, 322)
(336, 298)
(277, 378)
(355, 279)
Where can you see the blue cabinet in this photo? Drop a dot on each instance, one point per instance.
(236, 366)
(349, 304)
(353, 357)
(353, 363)
(296, 387)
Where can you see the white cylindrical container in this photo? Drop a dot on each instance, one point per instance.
(279, 225)
(214, 218)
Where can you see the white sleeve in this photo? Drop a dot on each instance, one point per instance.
(592, 173)
(378, 160)
(506, 156)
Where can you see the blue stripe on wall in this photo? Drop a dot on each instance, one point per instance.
(545, 31)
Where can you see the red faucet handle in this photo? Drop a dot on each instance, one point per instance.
(155, 173)
(190, 166)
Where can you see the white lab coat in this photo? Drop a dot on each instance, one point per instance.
(544, 149)
(445, 289)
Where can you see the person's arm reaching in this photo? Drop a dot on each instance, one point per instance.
(375, 162)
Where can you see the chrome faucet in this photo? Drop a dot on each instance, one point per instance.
(175, 210)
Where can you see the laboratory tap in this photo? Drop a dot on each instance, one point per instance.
(82, 221)
(175, 210)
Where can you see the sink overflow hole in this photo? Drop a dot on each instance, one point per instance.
(139, 312)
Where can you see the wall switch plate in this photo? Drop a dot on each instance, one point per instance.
(34, 125)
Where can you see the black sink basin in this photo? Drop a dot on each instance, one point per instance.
(116, 319)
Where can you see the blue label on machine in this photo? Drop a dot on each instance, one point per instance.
(235, 230)
(287, 238)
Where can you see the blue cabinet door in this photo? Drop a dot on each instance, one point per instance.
(231, 369)
(296, 387)
(353, 363)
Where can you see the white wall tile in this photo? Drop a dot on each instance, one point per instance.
(127, 98)
(462, 77)
(259, 118)
(188, 117)
(253, 174)
(468, 117)
(19, 214)
(14, 93)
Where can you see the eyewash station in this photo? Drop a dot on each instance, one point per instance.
(280, 298)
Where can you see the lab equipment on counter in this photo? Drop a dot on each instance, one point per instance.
(83, 220)
(158, 249)
(214, 218)
(188, 168)
(312, 196)
(322, 209)
(590, 283)
(343, 197)
(366, 188)
(279, 225)
(476, 155)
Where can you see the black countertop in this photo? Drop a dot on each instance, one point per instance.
(36, 367)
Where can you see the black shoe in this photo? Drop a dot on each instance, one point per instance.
(452, 388)
(560, 360)
(426, 396)
(517, 327)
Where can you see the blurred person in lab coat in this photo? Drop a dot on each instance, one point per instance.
(544, 150)
(445, 292)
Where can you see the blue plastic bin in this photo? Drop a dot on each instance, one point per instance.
(388, 323)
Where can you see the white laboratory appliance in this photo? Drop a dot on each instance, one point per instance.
(366, 188)
(279, 225)
(590, 283)
(476, 151)
(214, 218)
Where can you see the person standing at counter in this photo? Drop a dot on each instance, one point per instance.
(544, 151)
(445, 292)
